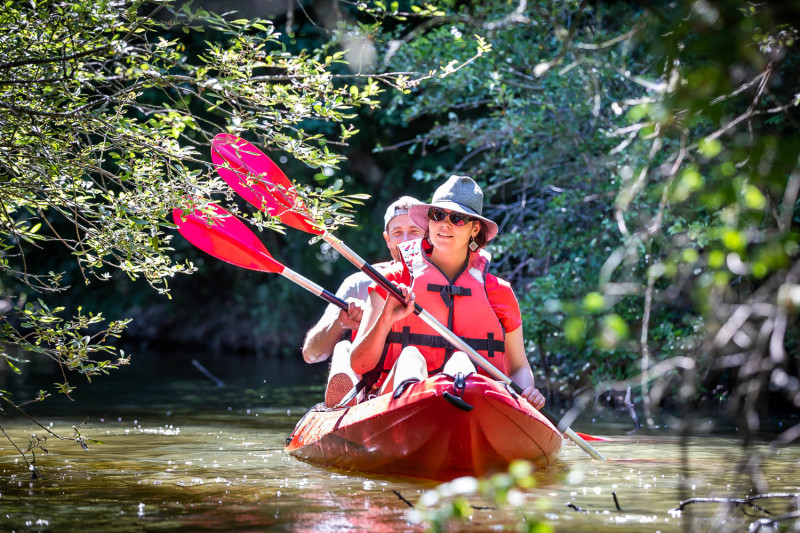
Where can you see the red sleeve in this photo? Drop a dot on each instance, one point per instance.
(396, 273)
(503, 302)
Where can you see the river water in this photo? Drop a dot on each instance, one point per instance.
(181, 453)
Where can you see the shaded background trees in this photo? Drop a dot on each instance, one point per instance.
(641, 161)
(642, 164)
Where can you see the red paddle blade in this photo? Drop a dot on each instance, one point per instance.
(584, 436)
(259, 180)
(226, 238)
(252, 174)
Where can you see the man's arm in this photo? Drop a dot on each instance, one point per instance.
(323, 336)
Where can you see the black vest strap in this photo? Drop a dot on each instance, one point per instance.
(448, 291)
(405, 336)
(489, 345)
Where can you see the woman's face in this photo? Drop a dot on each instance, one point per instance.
(446, 236)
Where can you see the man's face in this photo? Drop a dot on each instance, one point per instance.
(400, 230)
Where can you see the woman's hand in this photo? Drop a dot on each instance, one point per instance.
(394, 310)
(519, 369)
(534, 397)
(379, 316)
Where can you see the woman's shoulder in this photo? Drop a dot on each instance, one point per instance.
(497, 284)
(503, 302)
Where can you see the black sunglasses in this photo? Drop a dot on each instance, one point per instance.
(456, 219)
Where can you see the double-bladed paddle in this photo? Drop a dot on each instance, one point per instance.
(226, 237)
(259, 181)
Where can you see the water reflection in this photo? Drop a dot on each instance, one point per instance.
(183, 454)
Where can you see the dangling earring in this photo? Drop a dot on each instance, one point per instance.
(472, 244)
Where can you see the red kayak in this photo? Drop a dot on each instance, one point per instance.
(438, 429)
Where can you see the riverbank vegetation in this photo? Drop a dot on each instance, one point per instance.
(640, 159)
(643, 169)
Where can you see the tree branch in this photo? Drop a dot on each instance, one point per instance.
(53, 59)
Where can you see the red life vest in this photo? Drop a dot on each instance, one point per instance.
(463, 306)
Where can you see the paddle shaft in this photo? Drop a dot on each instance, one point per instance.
(451, 337)
(310, 286)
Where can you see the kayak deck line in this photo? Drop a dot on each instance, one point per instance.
(424, 434)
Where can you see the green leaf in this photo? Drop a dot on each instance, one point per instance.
(710, 148)
(575, 330)
(638, 112)
(594, 302)
(12, 367)
(716, 259)
(754, 199)
(613, 330)
(734, 240)
(690, 256)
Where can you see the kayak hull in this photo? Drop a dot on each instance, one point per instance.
(433, 430)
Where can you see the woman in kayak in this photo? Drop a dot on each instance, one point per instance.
(446, 273)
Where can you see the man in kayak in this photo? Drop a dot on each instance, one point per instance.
(331, 335)
(447, 274)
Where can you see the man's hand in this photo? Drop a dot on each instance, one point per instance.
(351, 318)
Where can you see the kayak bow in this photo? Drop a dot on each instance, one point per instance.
(439, 428)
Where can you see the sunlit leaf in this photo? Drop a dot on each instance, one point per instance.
(575, 329)
(710, 147)
(753, 198)
(613, 330)
(734, 240)
(716, 258)
(593, 302)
